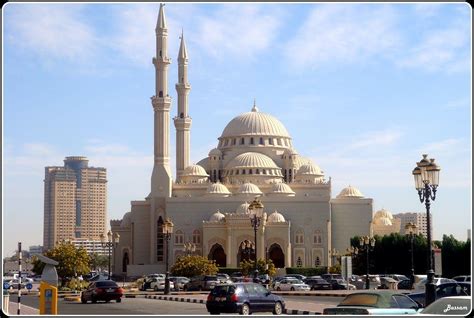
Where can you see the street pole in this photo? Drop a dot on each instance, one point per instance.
(110, 246)
(255, 272)
(19, 278)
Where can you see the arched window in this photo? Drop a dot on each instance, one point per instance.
(196, 237)
(317, 261)
(243, 171)
(317, 238)
(242, 141)
(299, 237)
(226, 142)
(299, 262)
(233, 142)
(160, 94)
(250, 171)
(270, 141)
(261, 140)
(179, 237)
(159, 240)
(257, 171)
(251, 140)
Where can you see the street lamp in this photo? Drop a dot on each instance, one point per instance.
(367, 244)
(426, 175)
(411, 229)
(112, 241)
(352, 251)
(167, 230)
(334, 254)
(189, 248)
(256, 213)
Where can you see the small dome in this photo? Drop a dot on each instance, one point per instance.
(310, 169)
(383, 214)
(217, 217)
(350, 191)
(217, 188)
(195, 171)
(215, 152)
(290, 151)
(249, 188)
(275, 217)
(251, 160)
(126, 220)
(243, 208)
(282, 188)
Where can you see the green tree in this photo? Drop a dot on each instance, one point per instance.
(98, 261)
(247, 267)
(193, 265)
(72, 261)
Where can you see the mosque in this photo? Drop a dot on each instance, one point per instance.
(208, 202)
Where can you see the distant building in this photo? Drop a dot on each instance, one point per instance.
(419, 219)
(91, 246)
(384, 223)
(75, 202)
(36, 249)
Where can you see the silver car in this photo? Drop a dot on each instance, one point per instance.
(291, 284)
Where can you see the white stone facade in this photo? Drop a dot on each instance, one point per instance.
(254, 157)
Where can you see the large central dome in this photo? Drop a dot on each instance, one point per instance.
(255, 123)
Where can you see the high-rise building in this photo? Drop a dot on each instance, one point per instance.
(36, 249)
(75, 202)
(419, 219)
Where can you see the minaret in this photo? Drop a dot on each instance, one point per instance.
(161, 176)
(182, 121)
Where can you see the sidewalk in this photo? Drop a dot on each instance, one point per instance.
(24, 310)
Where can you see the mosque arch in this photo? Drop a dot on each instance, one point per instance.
(218, 255)
(275, 253)
(125, 261)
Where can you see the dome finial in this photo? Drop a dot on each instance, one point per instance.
(254, 108)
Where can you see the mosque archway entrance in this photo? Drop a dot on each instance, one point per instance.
(246, 252)
(218, 255)
(125, 262)
(275, 253)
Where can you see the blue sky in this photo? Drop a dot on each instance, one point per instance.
(363, 89)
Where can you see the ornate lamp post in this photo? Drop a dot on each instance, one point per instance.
(247, 248)
(189, 248)
(367, 244)
(426, 175)
(410, 230)
(112, 241)
(167, 230)
(334, 254)
(352, 251)
(256, 213)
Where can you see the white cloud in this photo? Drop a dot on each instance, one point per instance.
(449, 146)
(342, 33)
(241, 30)
(376, 138)
(51, 30)
(444, 49)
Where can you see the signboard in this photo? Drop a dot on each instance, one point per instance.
(6, 285)
(48, 299)
(346, 267)
(29, 286)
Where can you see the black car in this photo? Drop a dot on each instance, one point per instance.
(317, 284)
(404, 284)
(243, 298)
(105, 290)
(444, 290)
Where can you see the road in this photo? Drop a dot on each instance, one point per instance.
(142, 306)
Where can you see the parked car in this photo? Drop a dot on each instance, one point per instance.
(105, 290)
(341, 284)
(148, 279)
(223, 277)
(317, 284)
(297, 276)
(452, 305)
(404, 284)
(328, 277)
(157, 284)
(203, 282)
(377, 302)
(445, 290)
(387, 282)
(179, 282)
(243, 298)
(396, 277)
(291, 284)
(275, 280)
(462, 278)
(420, 286)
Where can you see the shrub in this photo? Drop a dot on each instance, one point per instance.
(193, 265)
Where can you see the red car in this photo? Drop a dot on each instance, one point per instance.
(105, 290)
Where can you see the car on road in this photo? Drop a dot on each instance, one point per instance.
(158, 283)
(243, 298)
(297, 276)
(203, 282)
(445, 290)
(452, 305)
(179, 282)
(328, 277)
(105, 290)
(462, 278)
(317, 284)
(341, 284)
(377, 302)
(420, 286)
(291, 284)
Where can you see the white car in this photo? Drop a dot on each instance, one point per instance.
(159, 284)
(291, 284)
(420, 286)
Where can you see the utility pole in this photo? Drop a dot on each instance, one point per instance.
(19, 278)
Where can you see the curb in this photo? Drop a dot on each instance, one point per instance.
(180, 299)
(309, 294)
(300, 312)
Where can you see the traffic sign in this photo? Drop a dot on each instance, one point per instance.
(6, 285)
(29, 286)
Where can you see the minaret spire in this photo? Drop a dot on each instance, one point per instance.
(161, 101)
(182, 121)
